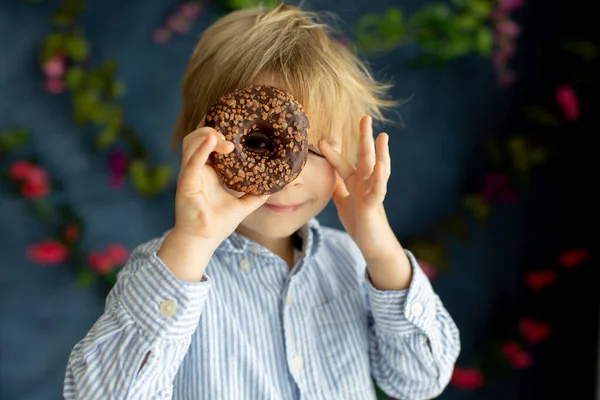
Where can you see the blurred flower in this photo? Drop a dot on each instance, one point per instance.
(516, 356)
(534, 332)
(100, 263)
(20, 169)
(161, 35)
(72, 233)
(467, 378)
(55, 67)
(508, 28)
(48, 252)
(117, 253)
(178, 24)
(55, 85)
(569, 102)
(496, 188)
(35, 190)
(117, 166)
(190, 10)
(509, 6)
(429, 271)
(572, 258)
(539, 279)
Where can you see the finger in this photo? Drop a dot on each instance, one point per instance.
(378, 185)
(251, 202)
(366, 149)
(340, 192)
(195, 139)
(192, 171)
(342, 166)
(383, 152)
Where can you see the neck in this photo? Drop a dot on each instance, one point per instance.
(282, 246)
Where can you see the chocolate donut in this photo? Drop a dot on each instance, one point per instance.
(270, 132)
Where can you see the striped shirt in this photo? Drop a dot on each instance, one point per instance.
(254, 329)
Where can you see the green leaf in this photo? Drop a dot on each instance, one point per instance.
(584, 49)
(75, 77)
(78, 48)
(85, 277)
(542, 116)
(107, 136)
(53, 44)
(13, 139)
(484, 41)
(162, 177)
(432, 253)
(138, 171)
(478, 206)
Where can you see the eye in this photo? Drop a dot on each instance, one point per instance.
(258, 142)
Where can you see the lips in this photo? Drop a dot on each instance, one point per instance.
(282, 208)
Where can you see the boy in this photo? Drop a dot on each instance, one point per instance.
(248, 297)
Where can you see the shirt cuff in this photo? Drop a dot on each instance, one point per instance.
(405, 311)
(163, 306)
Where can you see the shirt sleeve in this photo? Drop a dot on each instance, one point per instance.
(413, 341)
(148, 310)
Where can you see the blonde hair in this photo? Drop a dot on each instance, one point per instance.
(292, 45)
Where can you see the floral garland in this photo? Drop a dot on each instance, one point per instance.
(66, 65)
(30, 181)
(445, 32)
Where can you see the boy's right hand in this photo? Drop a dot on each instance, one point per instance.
(204, 209)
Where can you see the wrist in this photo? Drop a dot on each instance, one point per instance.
(187, 256)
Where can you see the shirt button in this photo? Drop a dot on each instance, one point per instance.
(168, 308)
(416, 309)
(297, 363)
(245, 264)
(255, 249)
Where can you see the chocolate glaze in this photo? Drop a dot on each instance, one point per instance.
(262, 115)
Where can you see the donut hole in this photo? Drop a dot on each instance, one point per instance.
(258, 142)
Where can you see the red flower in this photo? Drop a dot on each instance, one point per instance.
(35, 190)
(117, 253)
(48, 252)
(72, 233)
(100, 263)
(20, 169)
(517, 357)
(467, 378)
(569, 102)
(539, 279)
(534, 332)
(55, 85)
(572, 258)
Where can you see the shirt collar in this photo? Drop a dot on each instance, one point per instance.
(310, 232)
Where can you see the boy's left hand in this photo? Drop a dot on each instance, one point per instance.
(359, 195)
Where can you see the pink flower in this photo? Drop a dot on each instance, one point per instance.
(569, 102)
(117, 162)
(178, 24)
(534, 332)
(55, 67)
(48, 252)
(467, 378)
(510, 5)
(429, 271)
(100, 263)
(117, 253)
(55, 85)
(190, 10)
(161, 35)
(20, 169)
(496, 188)
(508, 28)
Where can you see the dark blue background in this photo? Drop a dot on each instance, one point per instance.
(43, 313)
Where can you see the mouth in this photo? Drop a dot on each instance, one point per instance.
(283, 208)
